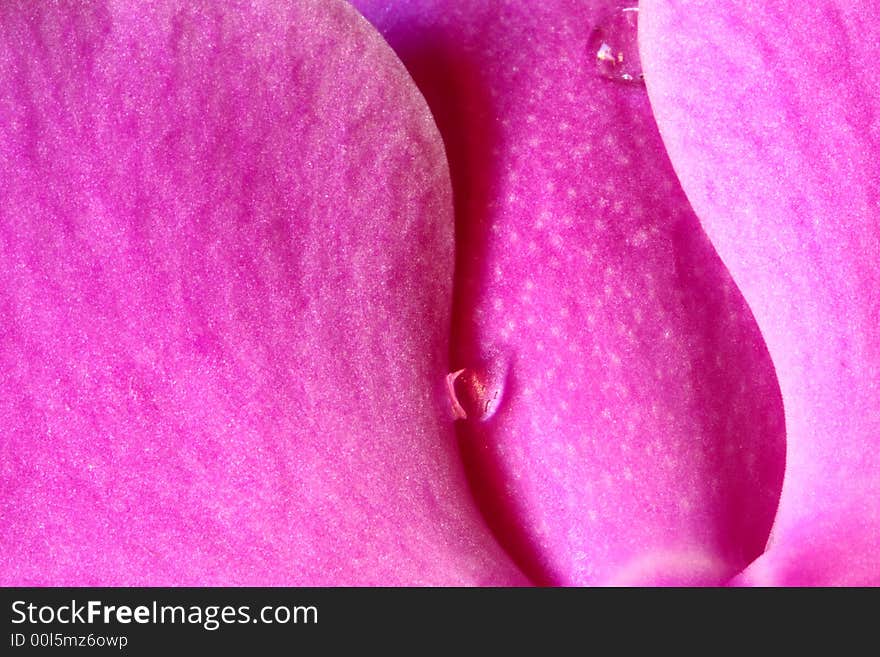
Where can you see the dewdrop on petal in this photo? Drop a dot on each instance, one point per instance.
(476, 393)
(614, 45)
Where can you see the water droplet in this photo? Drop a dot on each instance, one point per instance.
(476, 393)
(615, 47)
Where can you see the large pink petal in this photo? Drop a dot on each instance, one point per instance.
(771, 115)
(633, 432)
(226, 265)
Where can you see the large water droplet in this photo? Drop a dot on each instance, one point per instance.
(475, 393)
(614, 44)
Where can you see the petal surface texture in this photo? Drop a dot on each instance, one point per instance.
(771, 115)
(624, 421)
(226, 264)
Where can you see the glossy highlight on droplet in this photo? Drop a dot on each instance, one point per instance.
(458, 411)
(613, 45)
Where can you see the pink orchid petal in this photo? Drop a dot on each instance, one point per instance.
(226, 260)
(771, 116)
(624, 421)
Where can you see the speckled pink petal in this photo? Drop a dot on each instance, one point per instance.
(225, 278)
(771, 114)
(624, 422)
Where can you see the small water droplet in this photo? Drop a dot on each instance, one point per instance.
(475, 393)
(614, 44)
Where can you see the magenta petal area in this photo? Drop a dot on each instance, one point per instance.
(771, 116)
(226, 260)
(624, 424)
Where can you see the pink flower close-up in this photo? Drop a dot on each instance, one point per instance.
(439, 293)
